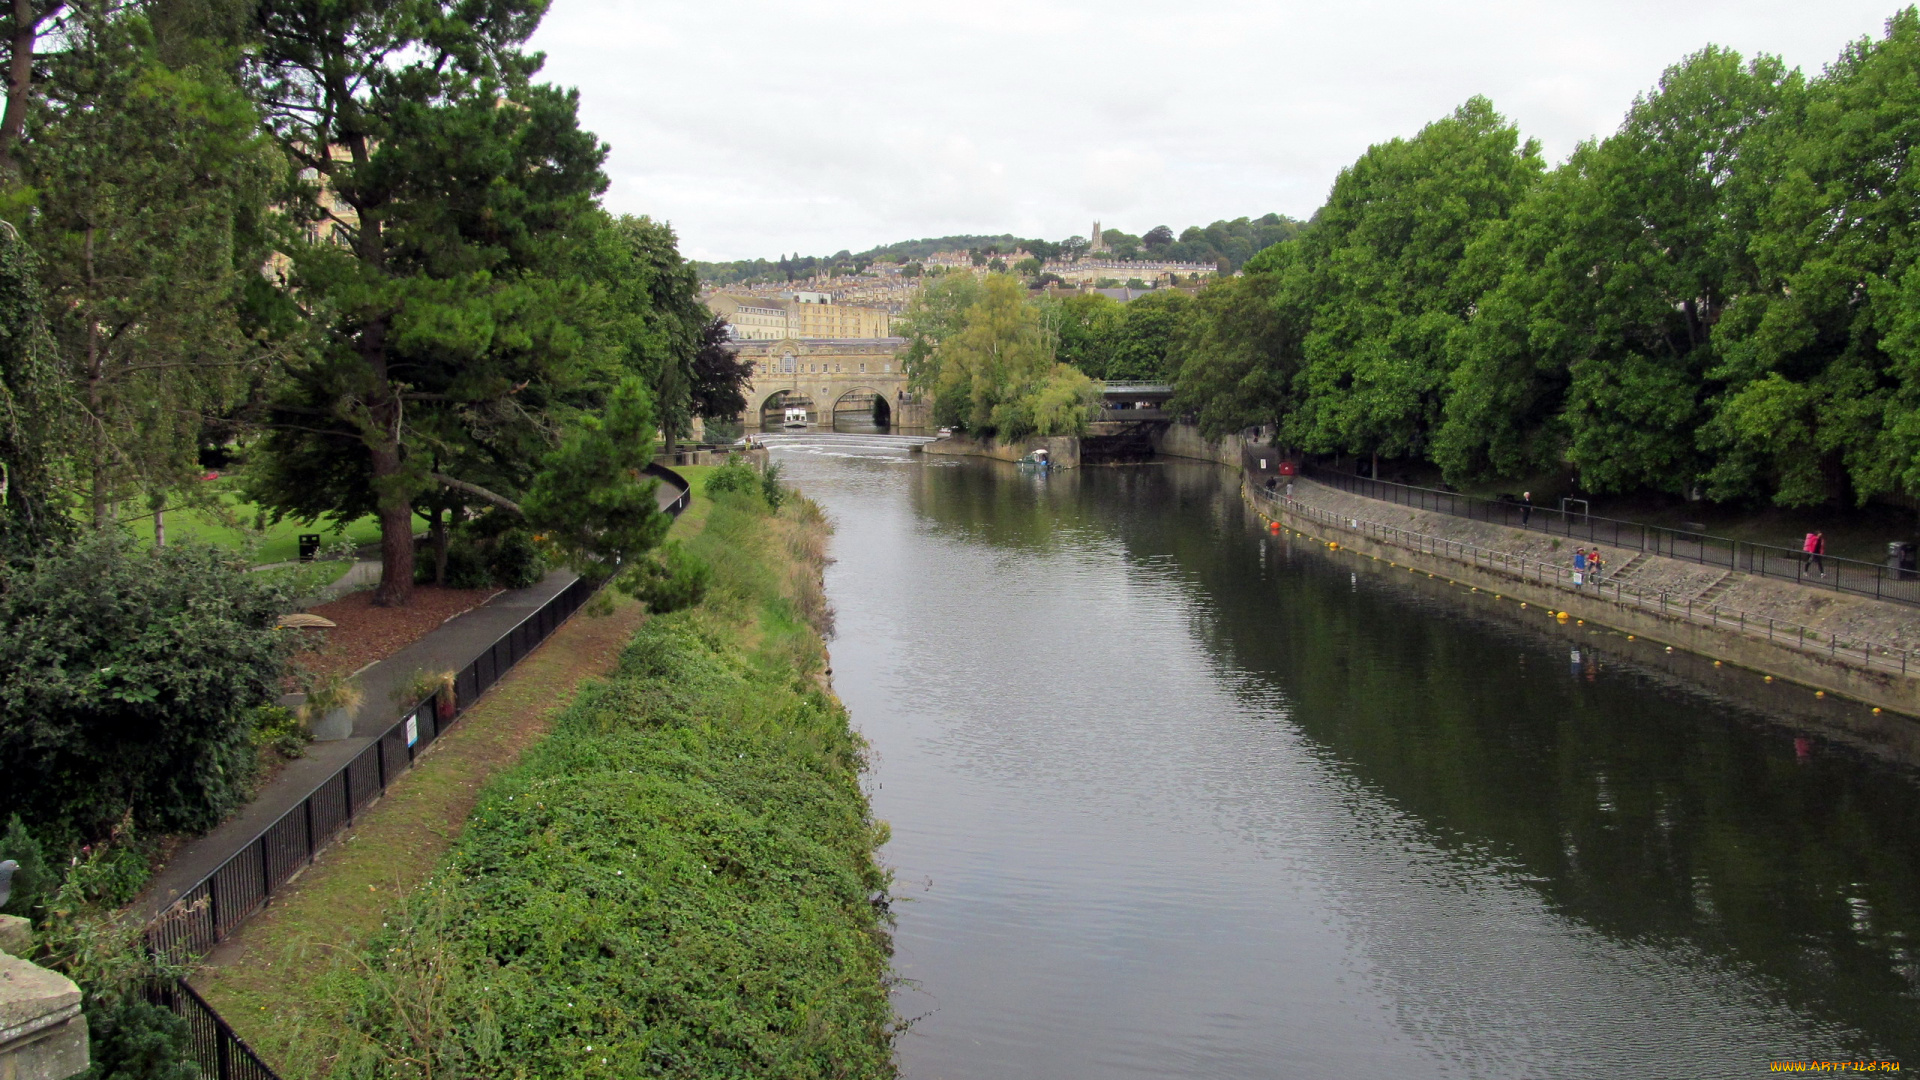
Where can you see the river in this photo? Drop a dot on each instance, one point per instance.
(1174, 797)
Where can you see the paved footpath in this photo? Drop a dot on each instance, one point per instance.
(448, 647)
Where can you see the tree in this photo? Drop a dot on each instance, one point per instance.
(1379, 270)
(934, 315)
(585, 499)
(1158, 239)
(720, 377)
(1593, 341)
(1818, 354)
(655, 302)
(151, 189)
(993, 371)
(21, 26)
(448, 198)
(36, 413)
(1240, 352)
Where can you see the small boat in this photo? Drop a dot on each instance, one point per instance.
(796, 418)
(1036, 461)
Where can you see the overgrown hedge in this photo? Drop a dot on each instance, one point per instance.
(679, 881)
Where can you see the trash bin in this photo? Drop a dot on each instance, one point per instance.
(309, 546)
(1900, 558)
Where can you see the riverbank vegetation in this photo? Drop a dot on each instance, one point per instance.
(678, 881)
(1715, 301)
(351, 259)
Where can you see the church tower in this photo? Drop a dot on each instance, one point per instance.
(1098, 243)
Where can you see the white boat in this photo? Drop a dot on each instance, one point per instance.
(796, 418)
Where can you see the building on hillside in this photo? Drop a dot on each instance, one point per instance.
(1088, 271)
(799, 315)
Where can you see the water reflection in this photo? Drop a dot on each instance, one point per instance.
(1174, 797)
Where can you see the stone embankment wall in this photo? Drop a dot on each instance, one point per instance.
(1775, 627)
(1183, 440)
(1062, 450)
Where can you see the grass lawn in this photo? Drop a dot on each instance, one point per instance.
(275, 543)
(305, 579)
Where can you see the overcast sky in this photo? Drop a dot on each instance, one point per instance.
(760, 128)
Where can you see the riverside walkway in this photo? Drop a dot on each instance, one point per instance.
(1826, 629)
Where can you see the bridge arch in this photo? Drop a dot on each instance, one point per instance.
(773, 408)
(869, 401)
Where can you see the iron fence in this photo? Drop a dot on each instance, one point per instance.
(1874, 655)
(221, 1054)
(1841, 575)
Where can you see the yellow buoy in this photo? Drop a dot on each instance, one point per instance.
(1716, 663)
(1876, 710)
(1523, 605)
(1629, 637)
(1819, 693)
(1580, 622)
(1669, 648)
(1561, 616)
(1769, 678)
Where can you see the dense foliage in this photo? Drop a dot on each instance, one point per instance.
(678, 882)
(1716, 300)
(984, 352)
(131, 683)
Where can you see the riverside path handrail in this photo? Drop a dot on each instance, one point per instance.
(1766, 560)
(219, 903)
(1874, 655)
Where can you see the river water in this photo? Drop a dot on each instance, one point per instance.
(1175, 797)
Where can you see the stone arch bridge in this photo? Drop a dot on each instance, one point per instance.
(828, 377)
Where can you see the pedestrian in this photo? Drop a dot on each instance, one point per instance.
(1579, 566)
(1595, 564)
(1289, 489)
(1815, 546)
(1526, 508)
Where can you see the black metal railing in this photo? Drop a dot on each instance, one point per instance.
(1841, 575)
(221, 1054)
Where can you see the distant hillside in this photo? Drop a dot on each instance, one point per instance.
(1232, 242)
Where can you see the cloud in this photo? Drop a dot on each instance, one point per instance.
(759, 128)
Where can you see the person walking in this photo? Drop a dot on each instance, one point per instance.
(1579, 566)
(1595, 564)
(1526, 508)
(1815, 546)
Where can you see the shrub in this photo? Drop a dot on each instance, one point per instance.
(770, 488)
(668, 579)
(131, 682)
(515, 561)
(735, 475)
(278, 728)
